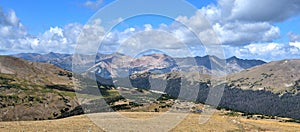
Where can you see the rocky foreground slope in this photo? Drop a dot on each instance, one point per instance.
(33, 91)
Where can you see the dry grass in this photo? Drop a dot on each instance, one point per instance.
(77, 123)
(190, 123)
(271, 125)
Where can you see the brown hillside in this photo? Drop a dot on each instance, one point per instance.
(39, 73)
(33, 91)
(277, 76)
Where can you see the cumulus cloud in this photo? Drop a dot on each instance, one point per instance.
(260, 10)
(235, 33)
(14, 37)
(91, 35)
(12, 31)
(246, 27)
(132, 41)
(231, 29)
(295, 44)
(264, 48)
(56, 39)
(294, 37)
(264, 51)
(153, 39)
(246, 36)
(197, 22)
(238, 33)
(93, 4)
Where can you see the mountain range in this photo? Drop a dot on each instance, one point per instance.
(205, 65)
(277, 76)
(250, 86)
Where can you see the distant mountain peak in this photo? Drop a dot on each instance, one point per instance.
(201, 64)
(234, 57)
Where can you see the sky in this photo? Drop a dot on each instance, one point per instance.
(257, 29)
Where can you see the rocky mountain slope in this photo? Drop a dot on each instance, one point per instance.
(277, 77)
(41, 73)
(41, 91)
(33, 91)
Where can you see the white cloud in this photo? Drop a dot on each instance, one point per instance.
(10, 18)
(295, 44)
(14, 38)
(173, 39)
(197, 22)
(295, 51)
(252, 10)
(148, 27)
(264, 48)
(294, 37)
(238, 33)
(12, 32)
(246, 27)
(247, 37)
(231, 32)
(56, 39)
(259, 10)
(153, 39)
(13, 19)
(264, 51)
(91, 35)
(93, 4)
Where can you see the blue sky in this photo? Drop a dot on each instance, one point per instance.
(39, 15)
(246, 29)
